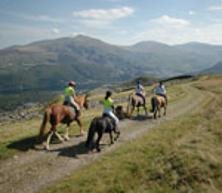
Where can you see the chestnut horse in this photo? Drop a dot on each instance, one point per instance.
(157, 103)
(133, 102)
(58, 113)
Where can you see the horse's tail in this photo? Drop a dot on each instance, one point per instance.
(42, 130)
(91, 133)
(130, 98)
(153, 103)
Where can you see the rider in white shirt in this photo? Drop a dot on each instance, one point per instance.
(161, 90)
(140, 91)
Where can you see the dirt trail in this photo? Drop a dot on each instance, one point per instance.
(34, 170)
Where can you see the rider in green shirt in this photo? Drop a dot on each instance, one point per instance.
(69, 93)
(108, 107)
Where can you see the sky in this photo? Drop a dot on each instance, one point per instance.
(120, 22)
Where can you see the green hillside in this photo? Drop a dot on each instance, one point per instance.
(178, 153)
(216, 69)
(178, 156)
(48, 65)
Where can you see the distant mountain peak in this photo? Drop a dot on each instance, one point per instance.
(84, 38)
(150, 42)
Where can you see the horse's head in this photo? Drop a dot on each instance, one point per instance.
(86, 102)
(83, 101)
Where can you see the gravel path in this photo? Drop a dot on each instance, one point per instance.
(37, 169)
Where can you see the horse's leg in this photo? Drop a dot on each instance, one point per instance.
(111, 137)
(165, 110)
(59, 136)
(66, 136)
(131, 112)
(155, 112)
(159, 111)
(145, 109)
(49, 139)
(98, 140)
(82, 132)
(138, 111)
(117, 132)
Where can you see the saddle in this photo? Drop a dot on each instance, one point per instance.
(141, 97)
(112, 125)
(72, 109)
(161, 96)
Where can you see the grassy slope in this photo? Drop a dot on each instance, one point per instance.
(183, 155)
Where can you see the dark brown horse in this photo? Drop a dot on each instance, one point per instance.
(157, 103)
(100, 125)
(58, 113)
(133, 102)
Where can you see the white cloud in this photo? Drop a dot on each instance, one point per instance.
(168, 21)
(210, 33)
(215, 8)
(56, 31)
(104, 14)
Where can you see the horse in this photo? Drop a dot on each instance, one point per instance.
(100, 125)
(157, 103)
(58, 113)
(133, 102)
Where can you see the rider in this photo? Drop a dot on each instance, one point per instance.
(69, 93)
(161, 90)
(109, 107)
(140, 91)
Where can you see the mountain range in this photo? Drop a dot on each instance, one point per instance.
(49, 64)
(216, 69)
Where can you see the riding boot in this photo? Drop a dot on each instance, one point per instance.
(77, 111)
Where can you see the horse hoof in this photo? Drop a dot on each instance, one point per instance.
(82, 133)
(66, 138)
(98, 149)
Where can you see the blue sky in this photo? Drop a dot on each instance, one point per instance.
(122, 22)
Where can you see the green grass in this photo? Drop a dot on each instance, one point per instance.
(179, 156)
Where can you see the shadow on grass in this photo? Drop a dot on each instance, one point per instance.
(72, 151)
(142, 117)
(30, 143)
(75, 150)
(24, 144)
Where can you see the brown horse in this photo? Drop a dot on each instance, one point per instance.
(133, 102)
(58, 113)
(157, 103)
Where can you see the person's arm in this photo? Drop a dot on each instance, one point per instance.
(74, 93)
(143, 90)
(164, 89)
